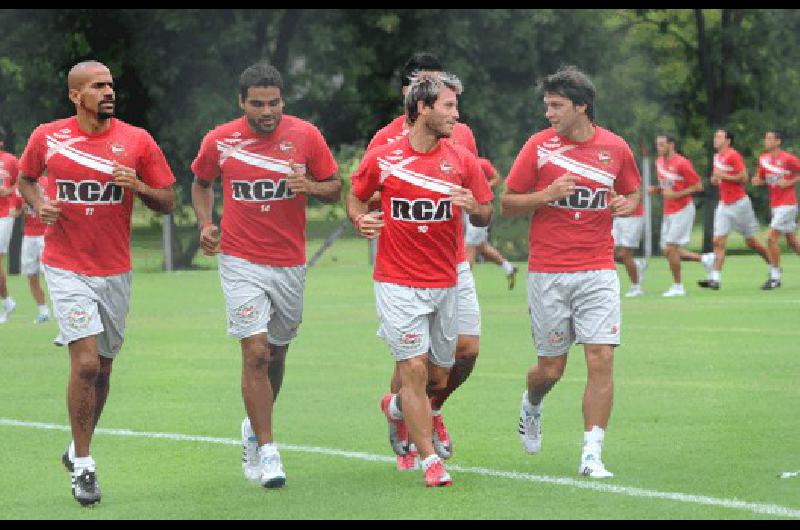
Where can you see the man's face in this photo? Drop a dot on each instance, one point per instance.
(442, 117)
(663, 147)
(263, 108)
(96, 94)
(771, 141)
(720, 140)
(562, 114)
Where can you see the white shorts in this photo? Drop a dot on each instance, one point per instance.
(569, 307)
(6, 227)
(474, 235)
(90, 305)
(738, 216)
(676, 228)
(469, 312)
(262, 299)
(416, 321)
(31, 258)
(627, 231)
(784, 219)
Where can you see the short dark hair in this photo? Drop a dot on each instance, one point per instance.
(426, 87)
(728, 134)
(778, 134)
(573, 84)
(417, 62)
(259, 74)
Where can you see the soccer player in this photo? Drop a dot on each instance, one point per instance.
(31, 255)
(469, 316)
(476, 238)
(677, 181)
(96, 165)
(627, 233)
(269, 164)
(8, 180)
(572, 177)
(425, 183)
(780, 171)
(734, 210)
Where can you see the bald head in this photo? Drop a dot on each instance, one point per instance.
(82, 72)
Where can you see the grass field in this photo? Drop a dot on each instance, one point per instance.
(705, 412)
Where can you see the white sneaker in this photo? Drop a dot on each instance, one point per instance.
(530, 427)
(592, 466)
(3, 317)
(641, 266)
(676, 290)
(635, 290)
(251, 464)
(707, 260)
(11, 305)
(272, 475)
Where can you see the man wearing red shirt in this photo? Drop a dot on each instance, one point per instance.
(734, 211)
(425, 182)
(96, 165)
(8, 179)
(573, 178)
(269, 164)
(31, 254)
(627, 233)
(780, 171)
(677, 181)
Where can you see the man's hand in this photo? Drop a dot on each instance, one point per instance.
(209, 239)
(652, 190)
(125, 177)
(669, 194)
(463, 198)
(369, 224)
(563, 186)
(757, 181)
(620, 205)
(49, 211)
(715, 180)
(785, 183)
(297, 180)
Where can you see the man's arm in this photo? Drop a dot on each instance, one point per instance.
(368, 224)
(161, 200)
(697, 187)
(624, 205)
(203, 203)
(513, 204)
(739, 177)
(327, 191)
(47, 210)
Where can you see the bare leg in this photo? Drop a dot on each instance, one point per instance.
(82, 392)
(791, 239)
(543, 376)
(256, 387)
(598, 397)
(756, 245)
(491, 253)
(719, 251)
(415, 405)
(36, 289)
(3, 284)
(466, 355)
(672, 253)
(773, 248)
(687, 255)
(624, 255)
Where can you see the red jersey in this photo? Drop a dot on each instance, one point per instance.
(92, 234)
(419, 242)
(574, 233)
(773, 169)
(397, 130)
(488, 168)
(676, 174)
(9, 167)
(730, 162)
(34, 227)
(263, 221)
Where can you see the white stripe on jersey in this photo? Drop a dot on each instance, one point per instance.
(719, 165)
(86, 160)
(573, 166)
(417, 179)
(263, 162)
(775, 170)
(667, 174)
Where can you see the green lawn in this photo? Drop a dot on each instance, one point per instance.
(705, 405)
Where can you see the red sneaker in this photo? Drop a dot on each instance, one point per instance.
(441, 439)
(409, 461)
(398, 431)
(436, 475)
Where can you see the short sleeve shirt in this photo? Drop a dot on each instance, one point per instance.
(9, 167)
(676, 174)
(777, 168)
(730, 162)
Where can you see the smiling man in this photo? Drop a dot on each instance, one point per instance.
(95, 165)
(572, 178)
(269, 163)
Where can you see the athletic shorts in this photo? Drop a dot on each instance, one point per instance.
(474, 235)
(31, 258)
(469, 312)
(627, 231)
(86, 306)
(6, 226)
(569, 307)
(676, 228)
(784, 219)
(262, 299)
(416, 321)
(738, 216)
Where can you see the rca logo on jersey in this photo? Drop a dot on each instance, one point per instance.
(422, 210)
(117, 149)
(63, 134)
(89, 192)
(604, 157)
(261, 190)
(584, 199)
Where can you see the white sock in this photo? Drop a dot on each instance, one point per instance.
(83, 463)
(636, 286)
(774, 273)
(507, 267)
(430, 461)
(436, 412)
(593, 440)
(677, 286)
(8, 302)
(71, 451)
(269, 448)
(395, 412)
(715, 276)
(44, 311)
(530, 408)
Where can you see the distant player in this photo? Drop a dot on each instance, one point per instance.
(734, 211)
(469, 315)
(677, 181)
(476, 238)
(96, 165)
(780, 171)
(627, 233)
(31, 255)
(8, 179)
(572, 177)
(269, 164)
(425, 182)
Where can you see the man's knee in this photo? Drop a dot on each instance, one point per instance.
(255, 353)
(467, 346)
(548, 370)
(599, 358)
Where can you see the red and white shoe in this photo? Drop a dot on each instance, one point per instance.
(441, 439)
(408, 461)
(398, 431)
(436, 475)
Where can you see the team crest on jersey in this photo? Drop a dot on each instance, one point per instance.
(422, 210)
(232, 140)
(286, 146)
(63, 134)
(445, 166)
(117, 149)
(552, 143)
(604, 157)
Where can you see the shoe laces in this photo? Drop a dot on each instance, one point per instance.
(271, 463)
